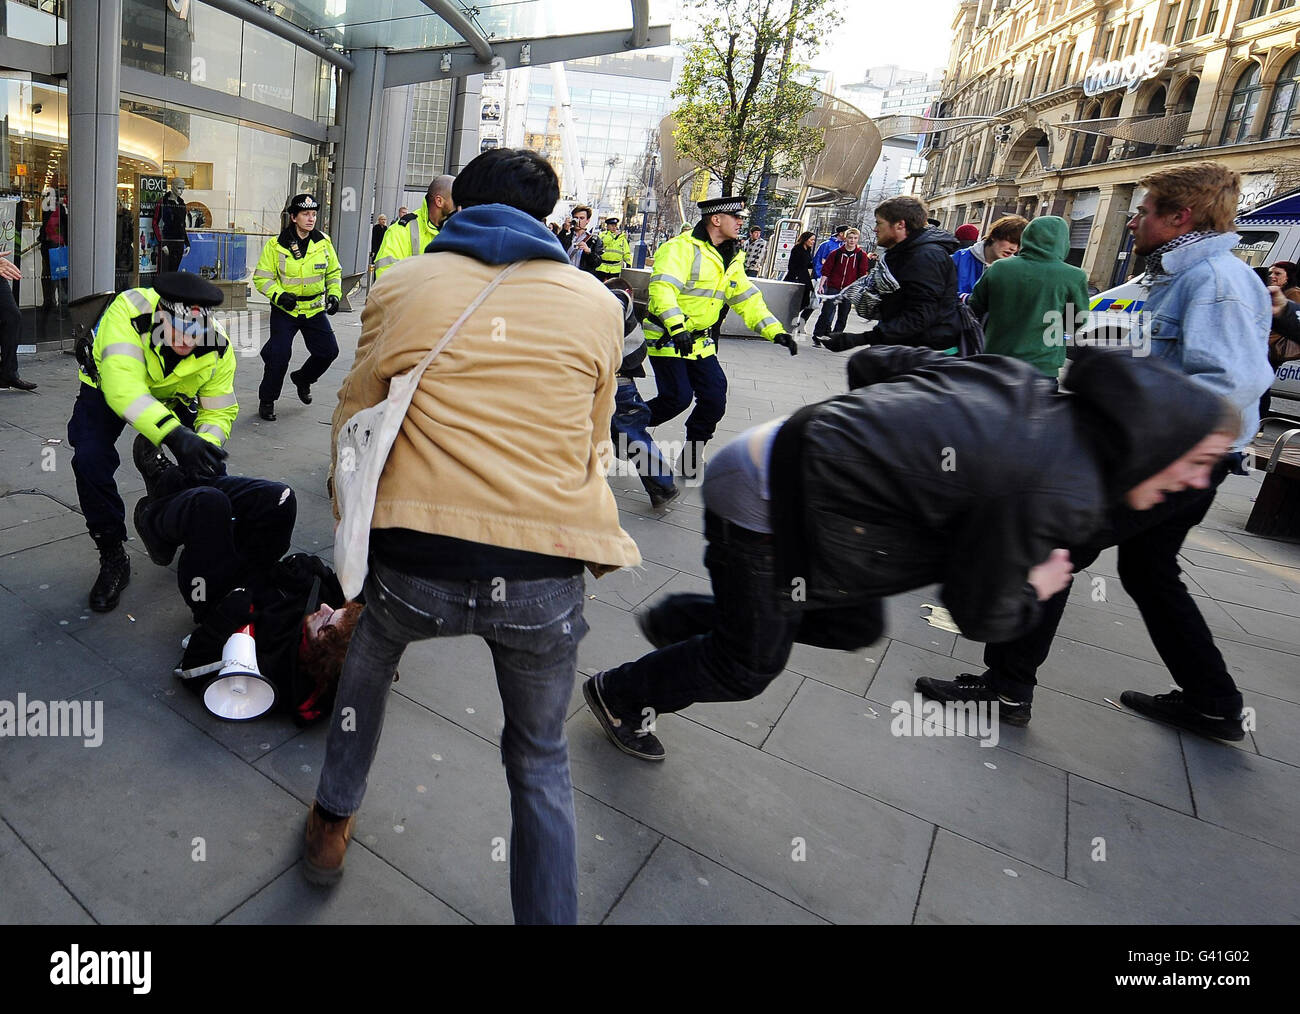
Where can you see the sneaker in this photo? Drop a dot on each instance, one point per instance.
(1172, 709)
(266, 410)
(972, 687)
(160, 551)
(659, 499)
(624, 732)
(304, 388)
(325, 847)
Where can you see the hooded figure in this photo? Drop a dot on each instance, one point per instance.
(1034, 299)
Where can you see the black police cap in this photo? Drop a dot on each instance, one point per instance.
(728, 204)
(303, 202)
(187, 288)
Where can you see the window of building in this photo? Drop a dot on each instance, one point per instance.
(1212, 17)
(1190, 19)
(1285, 3)
(1258, 8)
(1242, 106)
(1171, 22)
(1119, 43)
(1283, 105)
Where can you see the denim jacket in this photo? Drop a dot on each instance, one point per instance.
(1209, 316)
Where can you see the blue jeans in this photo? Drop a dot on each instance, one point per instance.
(533, 629)
(632, 442)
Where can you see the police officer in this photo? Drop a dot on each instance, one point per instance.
(299, 273)
(153, 352)
(696, 274)
(411, 233)
(616, 254)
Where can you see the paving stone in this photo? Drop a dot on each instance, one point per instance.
(1253, 795)
(1210, 541)
(748, 721)
(629, 587)
(38, 533)
(443, 837)
(681, 887)
(1287, 554)
(905, 620)
(25, 508)
(1268, 575)
(32, 894)
(851, 671)
(371, 893)
(971, 884)
(120, 835)
(613, 638)
(54, 665)
(1276, 626)
(1277, 729)
(1164, 867)
(668, 545)
(944, 780)
(743, 809)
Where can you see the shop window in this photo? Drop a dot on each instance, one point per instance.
(1242, 106)
(1283, 104)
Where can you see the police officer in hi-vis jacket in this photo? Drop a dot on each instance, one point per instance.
(299, 273)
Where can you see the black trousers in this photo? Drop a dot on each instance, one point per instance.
(276, 353)
(171, 261)
(11, 323)
(1149, 542)
(232, 531)
(93, 431)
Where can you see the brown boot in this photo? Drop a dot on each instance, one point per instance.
(326, 844)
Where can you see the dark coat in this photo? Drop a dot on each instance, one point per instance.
(923, 311)
(967, 473)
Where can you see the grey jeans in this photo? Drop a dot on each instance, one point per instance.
(533, 629)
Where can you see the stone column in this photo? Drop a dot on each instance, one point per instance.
(94, 93)
(1108, 233)
(359, 106)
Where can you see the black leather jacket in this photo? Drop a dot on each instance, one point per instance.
(923, 311)
(967, 473)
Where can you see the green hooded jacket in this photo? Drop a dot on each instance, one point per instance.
(1033, 299)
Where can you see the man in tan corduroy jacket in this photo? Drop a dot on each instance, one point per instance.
(492, 501)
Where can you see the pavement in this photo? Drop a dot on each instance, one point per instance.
(801, 806)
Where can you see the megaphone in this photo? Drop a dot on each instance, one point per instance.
(239, 692)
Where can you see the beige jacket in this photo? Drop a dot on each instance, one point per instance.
(507, 440)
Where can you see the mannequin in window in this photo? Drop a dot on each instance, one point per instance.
(169, 228)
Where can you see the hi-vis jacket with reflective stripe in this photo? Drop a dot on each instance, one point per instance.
(410, 234)
(134, 378)
(687, 290)
(308, 269)
(617, 255)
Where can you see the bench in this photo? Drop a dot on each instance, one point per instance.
(1277, 506)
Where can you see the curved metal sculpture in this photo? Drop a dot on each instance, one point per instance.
(838, 172)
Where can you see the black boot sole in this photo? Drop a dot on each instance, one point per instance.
(1141, 703)
(161, 553)
(304, 390)
(598, 709)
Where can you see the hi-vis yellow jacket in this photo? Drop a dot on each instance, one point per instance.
(133, 373)
(409, 235)
(617, 255)
(308, 269)
(687, 290)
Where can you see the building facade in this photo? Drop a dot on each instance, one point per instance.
(1076, 100)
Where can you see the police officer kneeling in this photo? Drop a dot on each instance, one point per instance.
(154, 350)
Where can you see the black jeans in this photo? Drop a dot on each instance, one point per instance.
(233, 530)
(730, 645)
(1149, 542)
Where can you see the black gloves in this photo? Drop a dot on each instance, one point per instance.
(198, 457)
(788, 342)
(287, 301)
(331, 305)
(842, 341)
(684, 342)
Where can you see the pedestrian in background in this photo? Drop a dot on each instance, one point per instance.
(1002, 240)
(842, 268)
(800, 266)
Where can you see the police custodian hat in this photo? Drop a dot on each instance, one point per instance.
(722, 206)
(303, 202)
(185, 288)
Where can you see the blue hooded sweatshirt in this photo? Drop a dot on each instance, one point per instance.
(497, 234)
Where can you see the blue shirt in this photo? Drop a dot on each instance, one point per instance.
(1209, 316)
(827, 248)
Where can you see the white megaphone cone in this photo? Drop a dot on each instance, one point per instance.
(240, 692)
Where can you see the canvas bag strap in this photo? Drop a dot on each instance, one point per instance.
(469, 310)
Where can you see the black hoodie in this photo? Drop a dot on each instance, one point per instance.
(967, 473)
(923, 311)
